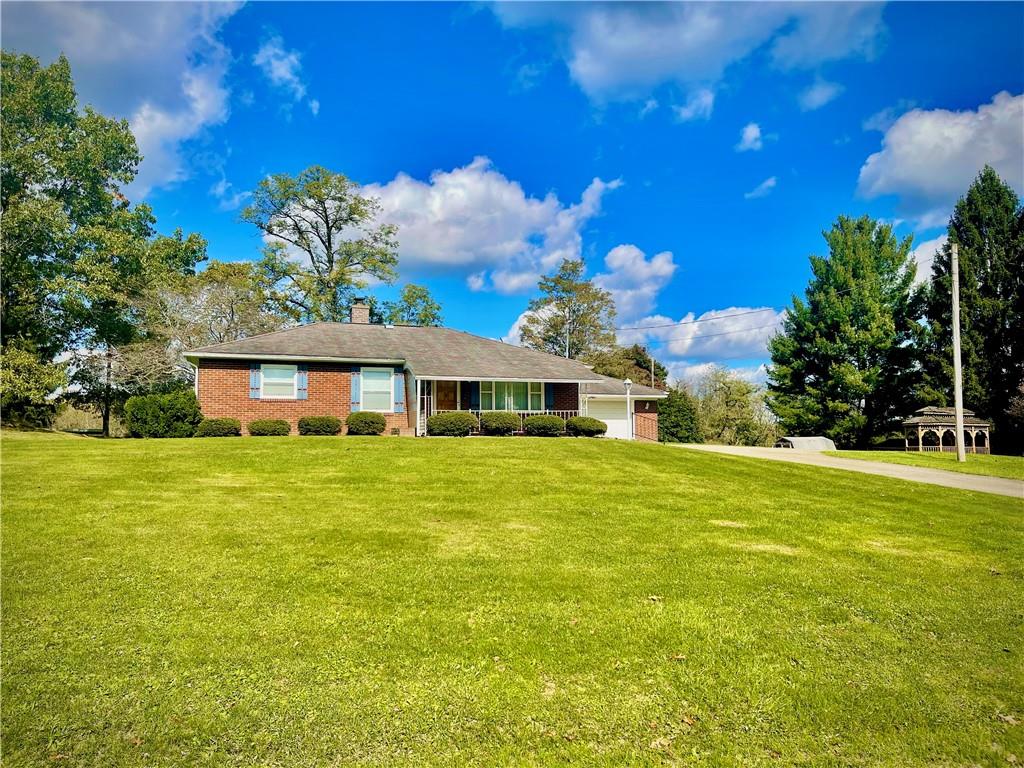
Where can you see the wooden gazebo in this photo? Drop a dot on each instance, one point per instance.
(934, 429)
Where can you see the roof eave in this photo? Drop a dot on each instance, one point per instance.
(200, 355)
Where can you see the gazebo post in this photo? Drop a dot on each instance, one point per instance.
(920, 447)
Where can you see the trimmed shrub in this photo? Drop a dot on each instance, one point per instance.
(585, 426)
(175, 414)
(319, 425)
(452, 424)
(498, 422)
(544, 425)
(219, 428)
(366, 423)
(269, 428)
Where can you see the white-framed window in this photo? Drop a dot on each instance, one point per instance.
(536, 396)
(511, 396)
(486, 395)
(378, 390)
(278, 382)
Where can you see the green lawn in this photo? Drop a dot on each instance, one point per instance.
(976, 464)
(339, 601)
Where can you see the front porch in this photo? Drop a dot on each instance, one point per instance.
(522, 398)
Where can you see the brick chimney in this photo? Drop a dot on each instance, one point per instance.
(360, 312)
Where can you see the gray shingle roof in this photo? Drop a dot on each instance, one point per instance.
(611, 386)
(428, 352)
(939, 415)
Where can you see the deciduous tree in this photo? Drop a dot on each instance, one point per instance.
(633, 362)
(415, 306)
(323, 242)
(572, 318)
(732, 411)
(77, 257)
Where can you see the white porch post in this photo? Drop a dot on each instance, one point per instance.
(629, 410)
(417, 408)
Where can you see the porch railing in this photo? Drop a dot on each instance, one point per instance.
(523, 415)
(912, 448)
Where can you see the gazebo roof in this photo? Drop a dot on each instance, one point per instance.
(936, 416)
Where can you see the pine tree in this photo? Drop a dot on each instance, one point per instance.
(988, 226)
(846, 364)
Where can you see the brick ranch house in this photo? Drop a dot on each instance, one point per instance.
(406, 373)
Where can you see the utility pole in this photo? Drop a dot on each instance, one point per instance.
(958, 384)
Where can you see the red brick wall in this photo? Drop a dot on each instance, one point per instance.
(567, 397)
(645, 420)
(224, 392)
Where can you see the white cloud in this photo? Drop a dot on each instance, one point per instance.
(883, 119)
(625, 51)
(161, 65)
(818, 94)
(750, 138)
(930, 157)
(732, 333)
(283, 68)
(924, 254)
(228, 198)
(761, 190)
(634, 280)
(475, 220)
(699, 105)
(649, 106)
(689, 372)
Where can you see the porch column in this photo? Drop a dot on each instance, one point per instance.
(417, 430)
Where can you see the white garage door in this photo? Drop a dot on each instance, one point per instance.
(612, 413)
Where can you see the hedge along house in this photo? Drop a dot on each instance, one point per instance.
(407, 373)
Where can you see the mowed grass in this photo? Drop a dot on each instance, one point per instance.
(976, 464)
(361, 601)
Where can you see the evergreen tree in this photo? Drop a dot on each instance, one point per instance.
(988, 226)
(573, 318)
(845, 364)
(677, 418)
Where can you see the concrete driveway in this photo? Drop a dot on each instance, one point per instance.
(1000, 485)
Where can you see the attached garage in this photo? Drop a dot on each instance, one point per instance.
(613, 413)
(607, 401)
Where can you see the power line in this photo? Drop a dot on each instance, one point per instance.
(709, 335)
(735, 314)
(698, 320)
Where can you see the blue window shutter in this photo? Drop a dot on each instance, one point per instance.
(355, 391)
(399, 391)
(302, 384)
(254, 381)
(549, 396)
(474, 395)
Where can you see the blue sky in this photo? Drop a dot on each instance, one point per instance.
(691, 154)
